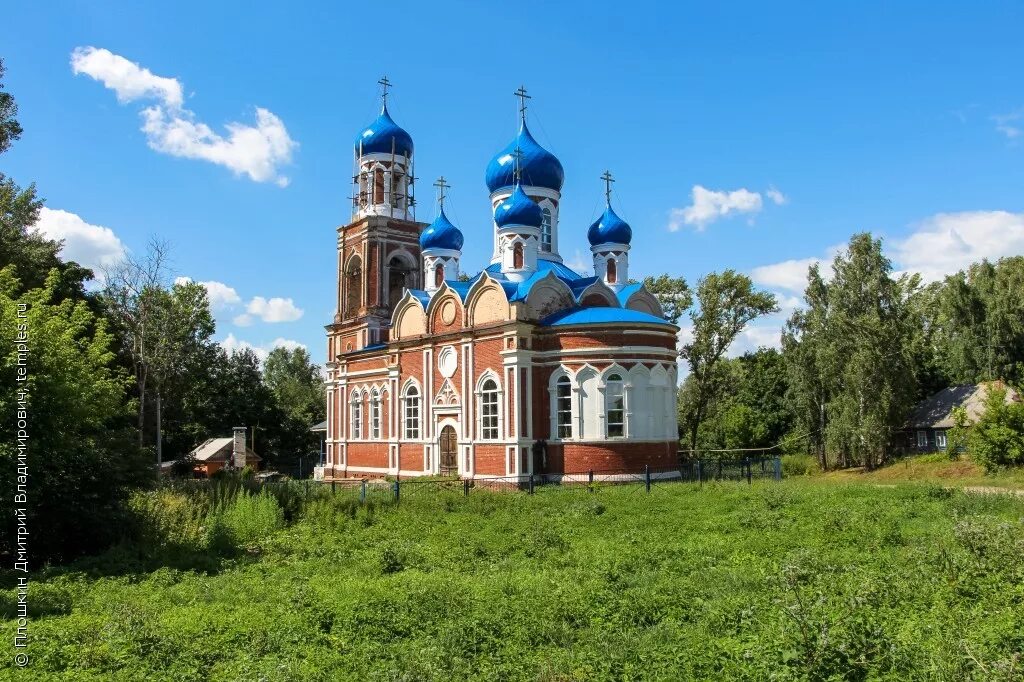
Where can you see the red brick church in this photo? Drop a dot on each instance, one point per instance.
(523, 367)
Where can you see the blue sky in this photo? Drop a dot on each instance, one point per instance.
(766, 135)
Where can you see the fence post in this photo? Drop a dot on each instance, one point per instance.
(647, 477)
(362, 492)
(700, 477)
(531, 484)
(749, 477)
(333, 487)
(465, 487)
(590, 480)
(397, 486)
(307, 487)
(778, 468)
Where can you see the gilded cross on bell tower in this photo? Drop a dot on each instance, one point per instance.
(521, 94)
(384, 84)
(441, 186)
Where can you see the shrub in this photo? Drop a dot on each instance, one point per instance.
(799, 465)
(167, 520)
(248, 518)
(997, 439)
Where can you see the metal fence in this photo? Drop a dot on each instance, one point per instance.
(648, 480)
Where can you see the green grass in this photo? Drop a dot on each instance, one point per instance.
(787, 581)
(935, 468)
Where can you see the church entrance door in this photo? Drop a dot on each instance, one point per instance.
(449, 452)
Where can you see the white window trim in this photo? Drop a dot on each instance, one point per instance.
(356, 416)
(626, 385)
(499, 394)
(940, 440)
(375, 415)
(412, 385)
(922, 438)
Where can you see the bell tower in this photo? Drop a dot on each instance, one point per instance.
(378, 251)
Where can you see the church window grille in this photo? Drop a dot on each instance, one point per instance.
(563, 408)
(615, 412)
(517, 256)
(545, 230)
(412, 413)
(489, 410)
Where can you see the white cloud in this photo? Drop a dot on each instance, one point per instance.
(92, 246)
(579, 263)
(219, 294)
(232, 344)
(256, 151)
(948, 242)
(790, 275)
(129, 80)
(777, 197)
(710, 205)
(269, 310)
(1006, 123)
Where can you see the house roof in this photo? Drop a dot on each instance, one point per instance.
(936, 412)
(602, 316)
(322, 426)
(215, 449)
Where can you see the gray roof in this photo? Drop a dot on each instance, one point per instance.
(322, 426)
(215, 449)
(936, 412)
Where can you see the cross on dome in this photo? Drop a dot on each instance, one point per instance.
(384, 84)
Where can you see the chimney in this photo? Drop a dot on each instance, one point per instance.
(238, 448)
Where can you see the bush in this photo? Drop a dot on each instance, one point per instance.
(997, 439)
(799, 465)
(248, 518)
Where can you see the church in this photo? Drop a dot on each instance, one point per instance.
(522, 367)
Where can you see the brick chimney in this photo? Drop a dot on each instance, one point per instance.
(238, 448)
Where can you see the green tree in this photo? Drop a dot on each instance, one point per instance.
(727, 302)
(673, 293)
(297, 384)
(81, 460)
(10, 130)
(868, 336)
(997, 439)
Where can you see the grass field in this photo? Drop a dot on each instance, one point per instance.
(775, 581)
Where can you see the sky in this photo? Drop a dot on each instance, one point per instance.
(741, 135)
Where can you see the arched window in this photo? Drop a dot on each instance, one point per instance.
(438, 275)
(614, 407)
(489, 410)
(378, 185)
(357, 417)
(375, 416)
(563, 408)
(396, 189)
(412, 413)
(364, 188)
(611, 273)
(545, 230)
(517, 256)
(398, 278)
(353, 286)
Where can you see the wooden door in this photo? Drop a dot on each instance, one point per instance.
(449, 452)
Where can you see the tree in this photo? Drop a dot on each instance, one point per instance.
(161, 328)
(997, 439)
(852, 353)
(673, 293)
(81, 460)
(297, 384)
(10, 130)
(727, 303)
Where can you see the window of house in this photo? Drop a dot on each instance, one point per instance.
(611, 273)
(375, 417)
(412, 413)
(545, 230)
(517, 256)
(563, 408)
(489, 410)
(615, 413)
(940, 440)
(922, 439)
(357, 417)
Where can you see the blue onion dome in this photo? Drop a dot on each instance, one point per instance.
(539, 167)
(609, 229)
(378, 136)
(518, 209)
(441, 234)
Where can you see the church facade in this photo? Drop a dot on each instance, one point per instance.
(524, 367)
